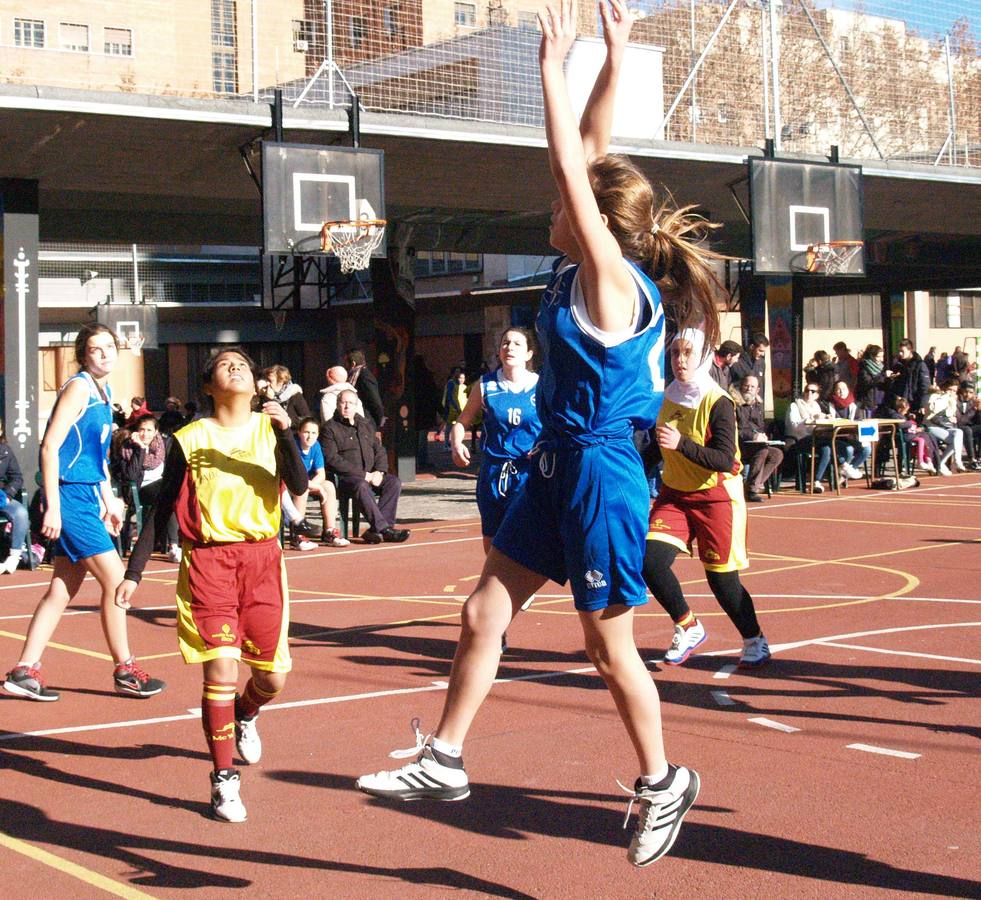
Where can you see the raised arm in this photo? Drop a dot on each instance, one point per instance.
(607, 287)
(597, 118)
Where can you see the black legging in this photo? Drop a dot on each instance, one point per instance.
(728, 590)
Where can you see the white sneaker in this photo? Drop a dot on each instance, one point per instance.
(660, 815)
(302, 544)
(226, 804)
(247, 740)
(684, 641)
(959, 465)
(174, 553)
(851, 471)
(928, 466)
(756, 651)
(943, 469)
(421, 778)
(818, 488)
(11, 563)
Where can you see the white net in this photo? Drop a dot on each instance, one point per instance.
(897, 79)
(353, 242)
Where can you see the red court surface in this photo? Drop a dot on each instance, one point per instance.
(848, 766)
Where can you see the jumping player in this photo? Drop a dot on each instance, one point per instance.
(701, 498)
(80, 514)
(222, 478)
(582, 514)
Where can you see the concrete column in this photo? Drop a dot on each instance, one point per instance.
(19, 237)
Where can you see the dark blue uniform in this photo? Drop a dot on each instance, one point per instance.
(511, 426)
(583, 514)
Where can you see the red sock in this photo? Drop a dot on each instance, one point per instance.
(687, 620)
(218, 718)
(252, 699)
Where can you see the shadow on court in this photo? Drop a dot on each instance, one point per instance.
(511, 813)
(138, 852)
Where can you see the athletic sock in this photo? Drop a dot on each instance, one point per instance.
(444, 759)
(659, 780)
(687, 620)
(24, 664)
(446, 748)
(218, 719)
(251, 700)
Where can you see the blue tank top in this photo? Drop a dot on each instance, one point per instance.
(83, 455)
(511, 423)
(593, 384)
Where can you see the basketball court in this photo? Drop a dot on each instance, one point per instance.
(847, 765)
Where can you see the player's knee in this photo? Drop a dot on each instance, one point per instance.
(269, 682)
(481, 618)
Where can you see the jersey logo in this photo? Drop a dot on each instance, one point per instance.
(658, 525)
(249, 647)
(225, 635)
(594, 579)
(711, 554)
(225, 733)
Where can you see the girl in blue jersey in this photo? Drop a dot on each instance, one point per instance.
(583, 513)
(80, 513)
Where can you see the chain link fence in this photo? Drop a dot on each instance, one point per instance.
(881, 79)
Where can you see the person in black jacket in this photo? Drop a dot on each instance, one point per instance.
(355, 454)
(821, 371)
(366, 385)
(289, 395)
(871, 381)
(752, 362)
(11, 484)
(761, 459)
(911, 378)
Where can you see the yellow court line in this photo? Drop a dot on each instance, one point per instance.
(348, 595)
(115, 888)
(70, 649)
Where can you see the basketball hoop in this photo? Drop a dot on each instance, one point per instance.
(135, 345)
(831, 257)
(352, 241)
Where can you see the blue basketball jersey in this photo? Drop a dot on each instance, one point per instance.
(511, 424)
(594, 384)
(83, 455)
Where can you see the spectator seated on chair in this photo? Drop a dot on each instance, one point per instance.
(941, 422)
(760, 459)
(802, 415)
(11, 509)
(353, 451)
(843, 401)
(320, 487)
(968, 420)
(142, 457)
(922, 446)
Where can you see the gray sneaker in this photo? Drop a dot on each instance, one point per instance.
(24, 681)
(660, 815)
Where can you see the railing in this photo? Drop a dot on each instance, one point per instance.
(881, 79)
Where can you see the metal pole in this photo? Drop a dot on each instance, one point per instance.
(137, 296)
(697, 66)
(693, 105)
(277, 114)
(775, 74)
(951, 112)
(255, 51)
(329, 13)
(766, 77)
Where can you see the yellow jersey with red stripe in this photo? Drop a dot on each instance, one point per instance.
(231, 490)
(680, 473)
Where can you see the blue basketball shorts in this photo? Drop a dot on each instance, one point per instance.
(83, 533)
(582, 518)
(498, 483)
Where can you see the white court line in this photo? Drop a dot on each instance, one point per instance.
(725, 671)
(885, 751)
(973, 662)
(877, 495)
(723, 698)
(776, 726)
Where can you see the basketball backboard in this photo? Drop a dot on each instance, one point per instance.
(795, 205)
(304, 186)
(133, 323)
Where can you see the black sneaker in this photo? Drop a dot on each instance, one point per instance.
(372, 537)
(395, 535)
(26, 681)
(131, 680)
(304, 529)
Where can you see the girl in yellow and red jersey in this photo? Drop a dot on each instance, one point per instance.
(701, 499)
(221, 478)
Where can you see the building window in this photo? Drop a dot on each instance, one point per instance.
(224, 72)
(724, 113)
(436, 262)
(223, 23)
(117, 42)
(74, 37)
(465, 14)
(962, 310)
(303, 32)
(28, 33)
(358, 31)
(848, 311)
(527, 19)
(390, 23)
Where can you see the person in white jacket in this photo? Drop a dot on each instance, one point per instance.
(336, 383)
